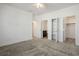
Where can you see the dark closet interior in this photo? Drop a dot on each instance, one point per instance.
(44, 33)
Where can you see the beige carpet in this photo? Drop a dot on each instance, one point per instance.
(39, 47)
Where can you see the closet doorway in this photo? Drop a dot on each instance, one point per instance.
(69, 29)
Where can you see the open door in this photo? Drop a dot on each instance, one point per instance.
(55, 29)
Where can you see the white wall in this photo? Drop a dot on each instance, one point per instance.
(44, 25)
(70, 11)
(15, 25)
(37, 29)
(49, 30)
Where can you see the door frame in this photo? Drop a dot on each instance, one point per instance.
(42, 29)
(57, 28)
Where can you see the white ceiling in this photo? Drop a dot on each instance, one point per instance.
(49, 7)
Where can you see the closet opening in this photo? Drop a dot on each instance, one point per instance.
(69, 29)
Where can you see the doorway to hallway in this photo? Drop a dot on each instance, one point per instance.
(44, 29)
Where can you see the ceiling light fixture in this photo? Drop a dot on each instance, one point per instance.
(39, 5)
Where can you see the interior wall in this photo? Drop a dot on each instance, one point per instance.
(44, 25)
(73, 10)
(37, 28)
(15, 25)
(70, 19)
